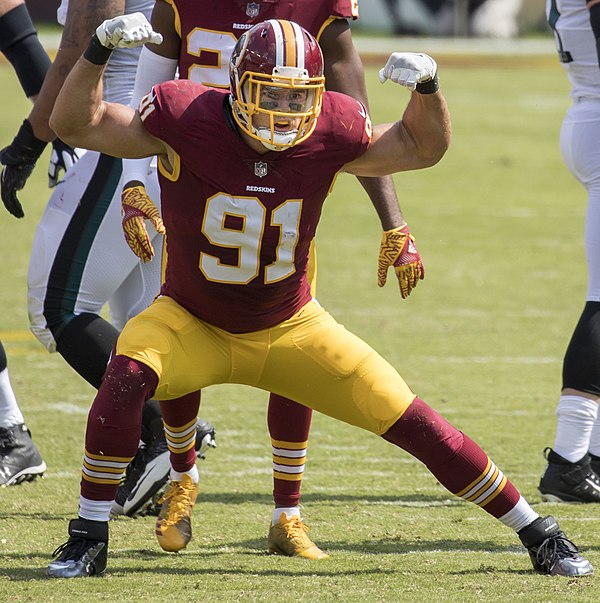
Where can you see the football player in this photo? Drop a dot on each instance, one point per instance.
(20, 460)
(573, 469)
(75, 266)
(236, 304)
(198, 39)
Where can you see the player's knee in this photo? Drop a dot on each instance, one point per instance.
(425, 434)
(39, 326)
(133, 380)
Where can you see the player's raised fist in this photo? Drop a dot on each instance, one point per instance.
(127, 31)
(409, 69)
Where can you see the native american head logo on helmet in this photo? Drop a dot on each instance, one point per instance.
(277, 83)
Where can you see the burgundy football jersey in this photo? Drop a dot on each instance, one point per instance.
(209, 29)
(239, 224)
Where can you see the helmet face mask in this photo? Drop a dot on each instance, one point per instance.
(277, 83)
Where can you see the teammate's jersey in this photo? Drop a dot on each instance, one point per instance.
(120, 71)
(576, 44)
(206, 50)
(243, 221)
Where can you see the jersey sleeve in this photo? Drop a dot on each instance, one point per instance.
(165, 110)
(346, 9)
(348, 124)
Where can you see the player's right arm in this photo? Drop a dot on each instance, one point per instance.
(82, 118)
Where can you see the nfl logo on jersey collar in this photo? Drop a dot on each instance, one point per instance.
(252, 9)
(260, 169)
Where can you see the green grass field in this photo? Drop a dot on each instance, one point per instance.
(500, 225)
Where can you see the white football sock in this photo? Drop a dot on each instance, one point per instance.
(94, 510)
(193, 473)
(595, 437)
(520, 516)
(289, 511)
(576, 417)
(10, 413)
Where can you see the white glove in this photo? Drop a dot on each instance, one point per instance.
(127, 31)
(62, 159)
(408, 69)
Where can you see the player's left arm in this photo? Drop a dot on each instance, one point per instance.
(344, 73)
(421, 138)
(418, 140)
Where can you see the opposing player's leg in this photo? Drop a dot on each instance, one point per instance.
(569, 475)
(20, 459)
(78, 260)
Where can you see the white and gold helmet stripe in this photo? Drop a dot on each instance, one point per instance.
(289, 43)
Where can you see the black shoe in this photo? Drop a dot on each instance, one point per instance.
(563, 481)
(595, 462)
(84, 554)
(551, 551)
(205, 437)
(147, 475)
(20, 460)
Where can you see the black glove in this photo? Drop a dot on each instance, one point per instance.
(62, 158)
(18, 160)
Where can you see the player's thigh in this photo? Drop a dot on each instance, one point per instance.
(62, 241)
(319, 363)
(579, 135)
(84, 256)
(185, 353)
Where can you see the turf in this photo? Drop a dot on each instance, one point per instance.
(500, 225)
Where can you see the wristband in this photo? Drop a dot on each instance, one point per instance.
(28, 146)
(97, 53)
(429, 87)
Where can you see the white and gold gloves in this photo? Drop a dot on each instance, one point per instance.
(409, 69)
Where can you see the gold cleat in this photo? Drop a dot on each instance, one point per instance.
(174, 523)
(290, 537)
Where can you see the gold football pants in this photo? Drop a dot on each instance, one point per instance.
(309, 358)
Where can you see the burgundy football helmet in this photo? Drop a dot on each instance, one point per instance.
(276, 70)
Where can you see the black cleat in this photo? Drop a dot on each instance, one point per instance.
(148, 474)
(563, 481)
(205, 437)
(84, 554)
(551, 552)
(595, 462)
(20, 460)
